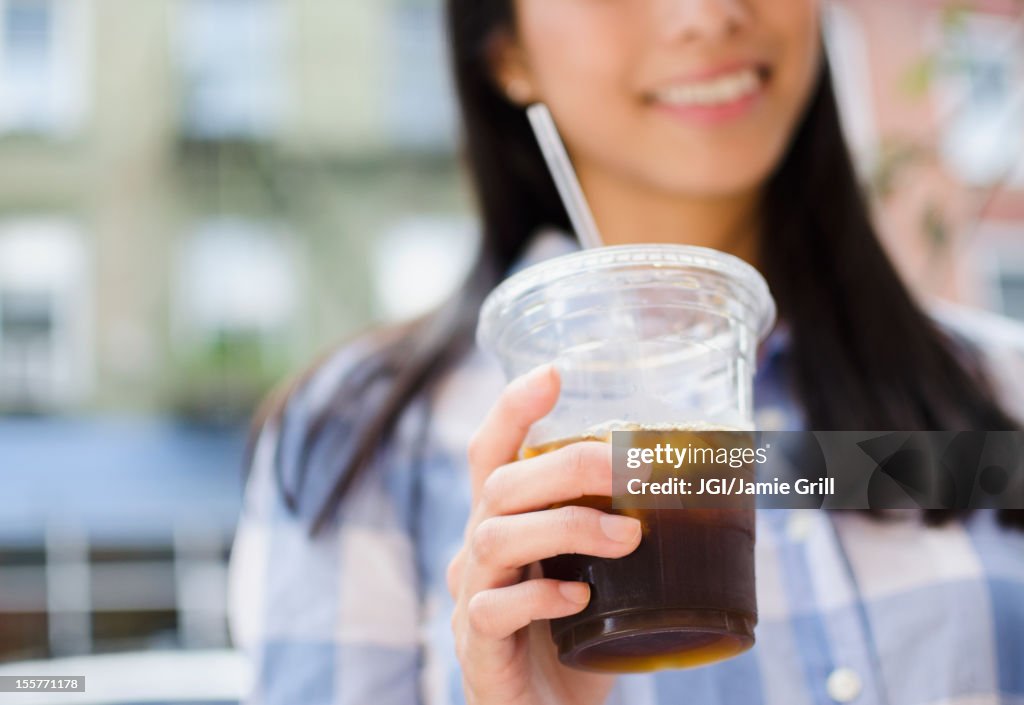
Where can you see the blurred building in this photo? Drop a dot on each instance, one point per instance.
(198, 195)
(186, 206)
(191, 187)
(933, 96)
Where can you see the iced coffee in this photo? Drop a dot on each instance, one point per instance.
(656, 337)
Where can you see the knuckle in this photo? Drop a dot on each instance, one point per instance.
(493, 489)
(580, 458)
(583, 459)
(487, 539)
(571, 519)
(600, 455)
(479, 613)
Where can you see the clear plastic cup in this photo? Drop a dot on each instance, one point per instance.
(645, 337)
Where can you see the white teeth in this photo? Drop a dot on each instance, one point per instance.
(721, 89)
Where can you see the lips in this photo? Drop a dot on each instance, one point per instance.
(714, 97)
(715, 88)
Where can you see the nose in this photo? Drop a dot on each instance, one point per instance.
(700, 19)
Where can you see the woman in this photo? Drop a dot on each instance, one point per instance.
(386, 551)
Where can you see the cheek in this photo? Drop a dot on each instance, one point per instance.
(584, 77)
(582, 74)
(797, 25)
(569, 42)
(673, 156)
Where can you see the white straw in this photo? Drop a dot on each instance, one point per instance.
(562, 172)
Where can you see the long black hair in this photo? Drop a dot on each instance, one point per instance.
(863, 354)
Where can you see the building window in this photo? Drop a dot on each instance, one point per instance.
(237, 274)
(45, 348)
(980, 101)
(231, 58)
(26, 345)
(418, 262)
(419, 104)
(237, 294)
(44, 61)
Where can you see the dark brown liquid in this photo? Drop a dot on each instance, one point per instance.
(685, 597)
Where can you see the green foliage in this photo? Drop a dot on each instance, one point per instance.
(936, 228)
(896, 155)
(954, 15)
(223, 379)
(918, 78)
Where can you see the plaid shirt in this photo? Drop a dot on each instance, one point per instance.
(851, 610)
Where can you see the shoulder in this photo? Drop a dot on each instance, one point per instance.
(999, 343)
(290, 591)
(308, 430)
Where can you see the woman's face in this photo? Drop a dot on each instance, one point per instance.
(696, 97)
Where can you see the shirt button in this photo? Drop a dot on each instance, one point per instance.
(843, 685)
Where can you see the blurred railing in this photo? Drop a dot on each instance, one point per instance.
(70, 596)
(114, 535)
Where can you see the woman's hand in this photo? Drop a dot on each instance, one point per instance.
(502, 605)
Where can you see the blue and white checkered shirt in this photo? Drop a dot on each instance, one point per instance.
(852, 609)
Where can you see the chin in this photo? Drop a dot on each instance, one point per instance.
(709, 174)
(709, 184)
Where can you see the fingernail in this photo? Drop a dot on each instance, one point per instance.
(577, 593)
(620, 528)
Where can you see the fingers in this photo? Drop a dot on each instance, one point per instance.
(524, 401)
(500, 547)
(500, 612)
(494, 578)
(485, 627)
(575, 470)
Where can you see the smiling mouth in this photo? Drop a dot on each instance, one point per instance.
(723, 89)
